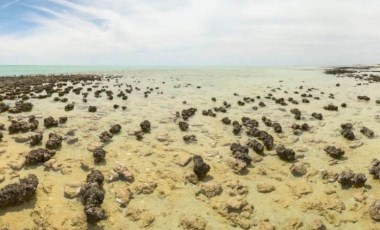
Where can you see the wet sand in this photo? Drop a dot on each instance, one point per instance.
(264, 196)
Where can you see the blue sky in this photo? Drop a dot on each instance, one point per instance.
(196, 32)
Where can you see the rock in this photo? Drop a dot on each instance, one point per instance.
(52, 164)
(193, 222)
(71, 140)
(374, 210)
(317, 224)
(238, 166)
(145, 187)
(120, 172)
(192, 178)
(210, 189)
(18, 164)
(72, 190)
(123, 196)
(298, 169)
(182, 160)
(91, 147)
(21, 139)
(236, 203)
(2, 178)
(265, 188)
(300, 189)
(144, 216)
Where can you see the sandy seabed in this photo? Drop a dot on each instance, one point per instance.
(160, 190)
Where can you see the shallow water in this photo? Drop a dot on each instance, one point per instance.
(297, 202)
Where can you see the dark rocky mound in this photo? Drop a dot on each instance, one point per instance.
(92, 109)
(38, 156)
(277, 127)
(317, 116)
(375, 168)
(226, 120)
(348, 134)
(99, 155)
(187, 113)
(334, 152)
(256, 146)
(367, 132)
(331, 107)
(189, 138)
(36, 139)
(348, 179)
(183, 125)
(18, 193)
(285, 154)
(69, 107)
(145, 126)
(240, 152)
(200, 167)
(92, 194)
(62, 120)
(236, 127)
(105, 136)
(54, 141)
(50, 122)
(139, 135)
(115, 129)
(19, 126)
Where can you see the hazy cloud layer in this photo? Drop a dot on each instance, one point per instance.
(197, 32)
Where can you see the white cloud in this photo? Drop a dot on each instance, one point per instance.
(208, 32)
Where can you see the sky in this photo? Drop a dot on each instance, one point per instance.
(190, 33)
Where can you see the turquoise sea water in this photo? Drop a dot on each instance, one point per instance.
(17, 70)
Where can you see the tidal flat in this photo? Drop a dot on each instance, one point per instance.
(242, 148)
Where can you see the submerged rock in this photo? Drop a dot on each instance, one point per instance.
(374, 210)
(18, 193)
